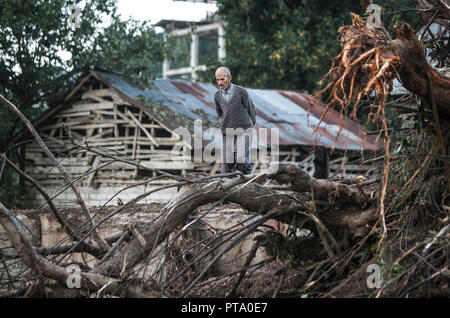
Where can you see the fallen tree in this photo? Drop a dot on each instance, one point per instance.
(287, 206)
(336, 229)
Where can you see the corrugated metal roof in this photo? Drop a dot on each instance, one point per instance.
(295, 114)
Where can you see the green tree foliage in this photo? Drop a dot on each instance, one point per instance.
(289, 44)
(41, 54)
(131, 48)
(40, 50)
(284, 43)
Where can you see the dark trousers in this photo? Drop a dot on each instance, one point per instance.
(236, 153)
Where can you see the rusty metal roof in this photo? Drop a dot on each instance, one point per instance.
(295, 114)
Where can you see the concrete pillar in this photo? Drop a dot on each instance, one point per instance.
(194, 56)
(165, 65)
(221, 43)
(165, 68)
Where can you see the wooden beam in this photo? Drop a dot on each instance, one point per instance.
(89, 106)
(152, 147)
(141, 141)
(136, 136)
(143, 129)
(54, 129)
(59, 142)
(44, 161)
(214, 168)
(94, 126)
(168, 165)
(97, 94)
(104, 112)
(66, 124)
(95, 165)
(94, 137)
(127, 133)
(48, 171)
(75, 134)
(116, 127)
(76, 114)
(137, 123)
(136, 170)
(77, 87)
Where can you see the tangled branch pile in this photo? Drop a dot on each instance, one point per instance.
(413, 199)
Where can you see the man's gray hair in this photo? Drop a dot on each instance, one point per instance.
(223, 70)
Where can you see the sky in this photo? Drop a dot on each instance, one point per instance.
(156, 10)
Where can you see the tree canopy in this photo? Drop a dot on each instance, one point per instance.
(287, 44)
(42, 53)
(41, 50)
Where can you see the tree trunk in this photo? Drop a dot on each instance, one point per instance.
(415, 70)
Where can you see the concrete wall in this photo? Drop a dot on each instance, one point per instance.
(99, 196)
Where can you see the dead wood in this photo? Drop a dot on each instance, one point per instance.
(300, 181)
(253, 197)
(370, 60)
(415, 70)
(41, 266)
(286, 206)
(440, 9)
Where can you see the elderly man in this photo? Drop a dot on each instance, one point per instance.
(237, 118)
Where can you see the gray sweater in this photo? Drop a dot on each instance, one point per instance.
(238, 112)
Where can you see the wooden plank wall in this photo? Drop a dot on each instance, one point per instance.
(102, 120)
(342, 168)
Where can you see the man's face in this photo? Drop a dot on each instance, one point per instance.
(223, 81)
